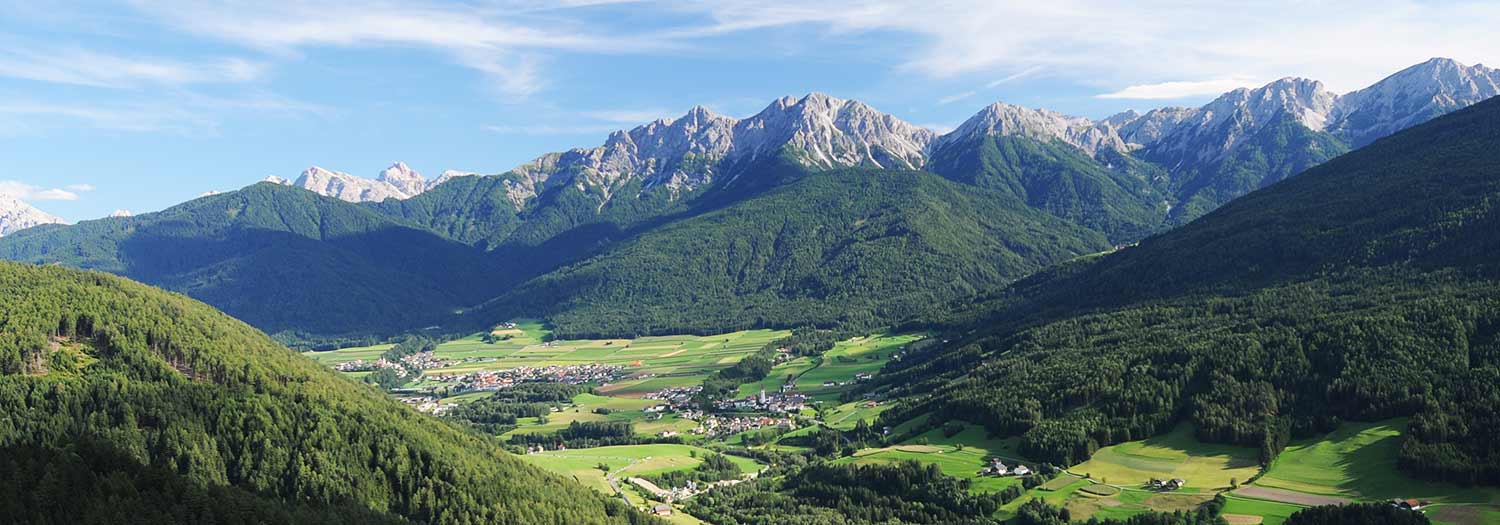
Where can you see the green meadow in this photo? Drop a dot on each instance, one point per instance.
(1358, 461)
(626, 461)
(840, 364)
(1176, 454)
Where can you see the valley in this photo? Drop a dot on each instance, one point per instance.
(1273, 304)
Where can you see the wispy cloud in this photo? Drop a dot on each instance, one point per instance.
(182, 112)
(1106, 44)
(1014, 77)
(81, 187)
(1180, 89)
(486, 40)
(24, 191)
(85, 67)
(956, 97)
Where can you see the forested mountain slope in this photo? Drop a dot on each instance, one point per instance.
(280, 258)
(860, 247)
(126, 404)
(1361, 289)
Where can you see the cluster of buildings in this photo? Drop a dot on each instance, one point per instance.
(999, 468)
(675, 494)
(406, 366)
(1166, 485)
(715, 426)
(780, 402)
(501, 379)
(674, 398)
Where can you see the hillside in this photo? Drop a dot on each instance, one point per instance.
(1113, 194)
(154, 407)
(280, 258)
(859, 247)
(1362, 289)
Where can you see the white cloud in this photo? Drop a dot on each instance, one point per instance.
(492, 41)
(24, 191)
(90, 68)
(1014, 76)
(81, 187)
(955, 98)
(1112, 44)
(183, 112)
(1180, 89)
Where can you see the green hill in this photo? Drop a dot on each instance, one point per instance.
(1113, 194)
(123, 403)
(859, 247)
(1362, 289)
(280, 258)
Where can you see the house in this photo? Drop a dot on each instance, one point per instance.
(1021, 470)
(661, 509)
(1174, 484)
(1155, 484)
(1409, 504)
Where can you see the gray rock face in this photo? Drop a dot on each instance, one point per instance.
(16, 215)
(685, 153)
(1410, 97)
(396, 182)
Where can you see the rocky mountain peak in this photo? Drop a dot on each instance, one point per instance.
(17, 215)
(1002, 119)
(403, 178)
(1411, 96)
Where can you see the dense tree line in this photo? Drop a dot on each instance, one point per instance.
(589, 434)
(903, 493)
(159, 405)
(497, 413)
(1039, 512)
(1365, 288)
(1357, 514)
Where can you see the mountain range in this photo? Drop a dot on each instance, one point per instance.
(1362, 289)
(640, 227)
(1201, 152)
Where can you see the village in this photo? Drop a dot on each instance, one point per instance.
(501, 379)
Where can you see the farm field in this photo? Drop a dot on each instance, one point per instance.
(838, 365)
(653, 363)
(1358, 461)
(945, 452)
(1177, 454)
(1246, 511)
(625, 461)
(620, 409)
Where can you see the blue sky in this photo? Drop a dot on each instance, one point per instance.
(141, 105)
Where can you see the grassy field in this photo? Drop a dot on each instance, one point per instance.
(1358, 461)
(653, 363)
(1267, 512)
(945, 452)
(584, 409)
(838, 365)
(625, 461)
(1176, 454)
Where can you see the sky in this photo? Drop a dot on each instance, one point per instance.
(139, 105)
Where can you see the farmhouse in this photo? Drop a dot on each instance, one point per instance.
(1021, 470)
(661, 509)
